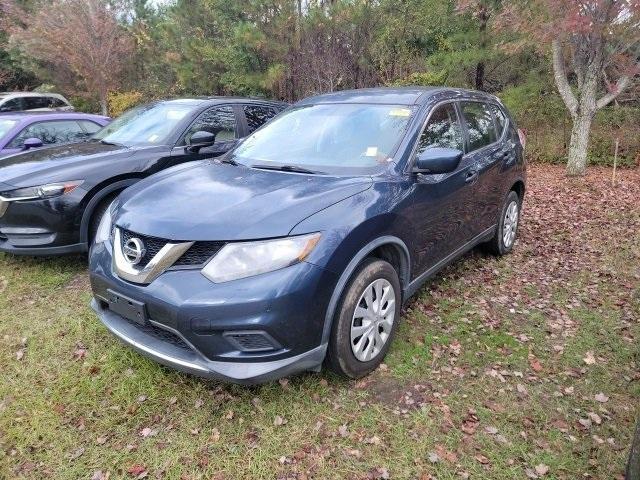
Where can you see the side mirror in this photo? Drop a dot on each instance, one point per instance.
(32, 143)
(201, 139)
(438, 160)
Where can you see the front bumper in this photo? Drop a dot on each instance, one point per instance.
(190, 319)
(189, 361)
(41, 227)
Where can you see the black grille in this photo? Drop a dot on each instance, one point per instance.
(197, 255)
(162, 335)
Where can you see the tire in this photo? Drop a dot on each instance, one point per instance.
(97, 215)
(633, 463)
(501, 244)
(358, 355)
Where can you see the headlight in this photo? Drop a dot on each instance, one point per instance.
(103, 234)
(42, 191)
(240, 260)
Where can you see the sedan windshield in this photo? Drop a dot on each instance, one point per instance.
(331, 138)
(146, 125)
(5, 126)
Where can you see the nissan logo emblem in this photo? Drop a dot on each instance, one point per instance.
(133, 251)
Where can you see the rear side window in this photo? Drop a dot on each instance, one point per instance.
(33, 103)
(257, 115)
(56, 103)
(89, 126)
(501, 119)
(479, 121)
(221, 121)
(50, 133)
(442, 130)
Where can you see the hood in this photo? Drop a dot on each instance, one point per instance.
(55, 164)
(211, 201)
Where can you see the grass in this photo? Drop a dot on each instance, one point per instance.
(487, 377)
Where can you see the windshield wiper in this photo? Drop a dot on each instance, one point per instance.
(104, 142)
(286, 168)
(229, 161)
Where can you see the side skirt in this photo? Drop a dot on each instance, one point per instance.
(415, 285)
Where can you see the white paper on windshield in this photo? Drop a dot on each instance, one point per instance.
(400, 112)
(153, 138)
(371, 152)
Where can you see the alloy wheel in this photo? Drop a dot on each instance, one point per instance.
(510, 224)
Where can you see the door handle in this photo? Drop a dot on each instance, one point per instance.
(472, 175)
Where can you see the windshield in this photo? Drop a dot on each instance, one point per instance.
(5, 126)
(332, 138)
(146, 125)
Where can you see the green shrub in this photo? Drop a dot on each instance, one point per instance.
(119, 102)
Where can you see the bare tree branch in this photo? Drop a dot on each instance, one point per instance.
(560, 75)
(621, 85)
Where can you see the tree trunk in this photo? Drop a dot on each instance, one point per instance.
(579, 144)
(104, 106)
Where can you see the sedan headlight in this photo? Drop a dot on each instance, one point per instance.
(42, 191)
(241, 260)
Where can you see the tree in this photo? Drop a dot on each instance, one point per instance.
(595, 50)
(80, 37)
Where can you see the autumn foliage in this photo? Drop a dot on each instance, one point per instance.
(81, 39)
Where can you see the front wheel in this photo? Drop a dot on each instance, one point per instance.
(366, 320)
(507, 229)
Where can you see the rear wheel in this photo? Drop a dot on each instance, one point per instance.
(366, 320)
(505, 235)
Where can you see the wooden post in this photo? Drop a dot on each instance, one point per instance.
(615, 163)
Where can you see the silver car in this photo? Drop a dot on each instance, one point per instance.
(33, 101)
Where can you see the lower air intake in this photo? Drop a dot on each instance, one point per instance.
(252, 341)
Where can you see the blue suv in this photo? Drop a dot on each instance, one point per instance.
(300, 245)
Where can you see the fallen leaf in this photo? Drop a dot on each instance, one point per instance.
(433, 457)
(278, 421)
(601, 397)
(137, 470)
(541, 469)
(589, 359)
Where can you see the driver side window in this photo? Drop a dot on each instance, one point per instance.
(221, 121)
(442, 130)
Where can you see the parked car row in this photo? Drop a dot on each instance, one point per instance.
(295, 238)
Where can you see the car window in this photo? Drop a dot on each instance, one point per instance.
(6, 125)
(338, 138)
(221, 121)
(257, 115)
(33, 103)
(501, 119)
(49, 132)
(56, 103)
(150, 124)
(442, 130)
(89, 126)
(13, 105)
(479, 122)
